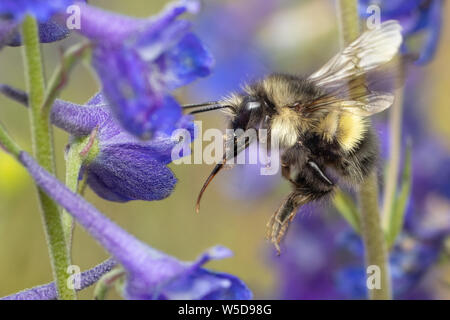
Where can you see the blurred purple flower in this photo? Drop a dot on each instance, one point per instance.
(51, 26)
(237, 63)
(150, 274)
(139, 61)
(48, 291)
(323, 259)
(410, 260)
(427, 218)
(308, 264)
(415, 16)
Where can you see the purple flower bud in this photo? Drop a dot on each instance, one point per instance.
(139, 61)
(49, 31)
(150, 274)
(124, 167)
(49, 292)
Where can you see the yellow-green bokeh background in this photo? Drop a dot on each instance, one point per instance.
(170, 225)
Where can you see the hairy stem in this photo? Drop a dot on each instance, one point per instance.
(371, 231)
(106, 282)
(42, 140)
(373, 237)
(73, 166)
(348, 21)
(7, 143)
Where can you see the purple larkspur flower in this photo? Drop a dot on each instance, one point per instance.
(150, 274)
(415, 16)
(409, 261)
(124, 167)
(49, 291)
(325, 260)
(427, 217)
(139, 61)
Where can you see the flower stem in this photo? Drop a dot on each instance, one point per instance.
(348, 21)
(373, 237)
(395, 130)
(81, 150)
(42, 140)
(371, 231)
(106, 282)
(73, 166)
(8, 143)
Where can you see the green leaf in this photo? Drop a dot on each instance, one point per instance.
(348, 209)
(399, 206)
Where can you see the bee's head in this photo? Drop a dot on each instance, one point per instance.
(247, 114)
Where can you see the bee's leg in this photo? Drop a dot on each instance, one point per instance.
(278, 224)
(310, 183)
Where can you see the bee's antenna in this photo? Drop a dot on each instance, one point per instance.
(194, 105)
(205, 185)
(214, 107)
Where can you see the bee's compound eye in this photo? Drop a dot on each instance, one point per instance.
(253, 105)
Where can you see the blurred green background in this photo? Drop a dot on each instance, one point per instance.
(172, 225)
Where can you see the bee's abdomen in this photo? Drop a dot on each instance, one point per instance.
(354, 165)
(359, 163)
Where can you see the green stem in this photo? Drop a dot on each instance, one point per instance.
(106, 282)
(73, 166)
(395, 131)
(42, 140)
(348, 21)
(373, 237)
(81, 150)
(371, 231)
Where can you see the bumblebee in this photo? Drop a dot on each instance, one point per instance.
(320, 121)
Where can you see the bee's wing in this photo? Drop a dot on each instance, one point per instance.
(362, 104)
(373, 102)
(372, 49)
(349, 78)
